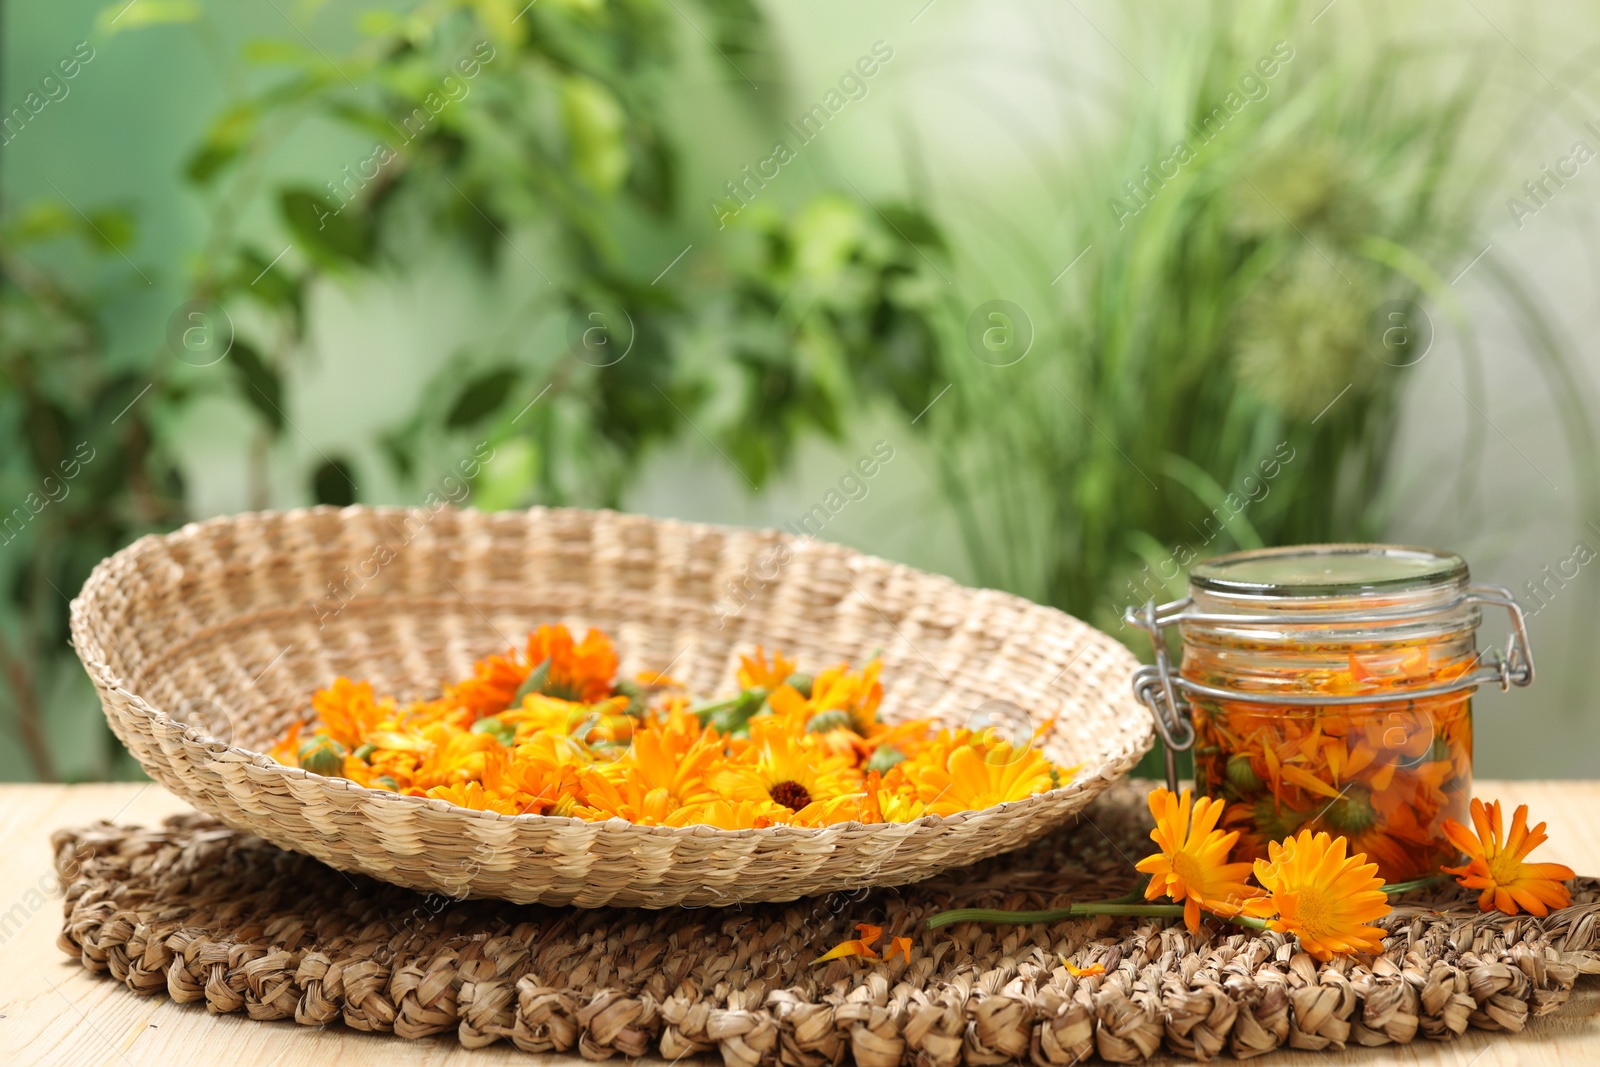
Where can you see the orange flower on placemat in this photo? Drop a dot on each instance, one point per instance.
(899, 946)
(1191, 865)
(859, 946)
(1496, 864)
(1320, 896)
(1083, 972)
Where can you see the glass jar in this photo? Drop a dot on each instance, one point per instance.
(1329, 687)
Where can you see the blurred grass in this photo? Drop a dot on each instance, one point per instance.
(1230, 321)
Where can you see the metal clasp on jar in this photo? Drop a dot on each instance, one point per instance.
(1158, 687)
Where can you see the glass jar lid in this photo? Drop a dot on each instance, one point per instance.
(1328, 570)
(1303, 598)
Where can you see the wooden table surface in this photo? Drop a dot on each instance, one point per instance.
(53, 1012)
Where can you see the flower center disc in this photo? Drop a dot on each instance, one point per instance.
(1189, 869)
(791, 795)
(1313, 912)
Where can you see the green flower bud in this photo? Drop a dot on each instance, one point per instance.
(800, 682)
(884, 757)
(1273, 822)
(384, 781)
(1241, 775)
(502, 732)
(1352, 813)
(824, 721)
(638, 704)
(322, 755)
(364, 753)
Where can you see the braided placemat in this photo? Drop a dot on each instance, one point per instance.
(208, 914)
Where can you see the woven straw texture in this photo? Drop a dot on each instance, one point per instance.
(208, 915)
(206, 644)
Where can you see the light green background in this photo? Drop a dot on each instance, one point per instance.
(976, 97)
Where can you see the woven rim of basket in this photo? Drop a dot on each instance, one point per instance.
(87, 644)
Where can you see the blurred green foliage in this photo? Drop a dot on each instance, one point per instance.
(493, 127)
(1223, 316)
(81, 470)
(1224, 367)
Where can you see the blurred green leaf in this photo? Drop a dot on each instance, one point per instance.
(595, 123)
(277, 51)
(134, 14)
(336, 235)
(506, 480)
(268, 281)
(333, 482)
(42, 220)
(914, 226)
(481, 397)
(258, 384)
(223, 140)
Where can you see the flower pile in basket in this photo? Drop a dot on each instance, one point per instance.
(554, 731)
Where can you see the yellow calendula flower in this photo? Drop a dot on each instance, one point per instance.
(472, 795)
(1323, 897)
(788, 770)
(730, 814)
(675, 762)
(952, 775)
(1192, 865)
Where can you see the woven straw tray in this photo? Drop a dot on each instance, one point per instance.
(205, 644)
(207, 915)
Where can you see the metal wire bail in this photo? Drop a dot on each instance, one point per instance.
(1154, 687)
(1159, 689)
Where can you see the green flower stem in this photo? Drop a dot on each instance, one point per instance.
(1098, 907)
(1134, 895)
(704, 711)
(1415, 883)
(1129, 904)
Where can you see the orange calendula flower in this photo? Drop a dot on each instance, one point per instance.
(953, 775)
(756, 673)
(348, 710)
(495, 680)
(583, 670)
(287, 750)
(898, 946)
(1192, 865)
(858, 946)
(472, 795)
(1496, 863)
(1321, 896)
(1083, 972)
(730, 814)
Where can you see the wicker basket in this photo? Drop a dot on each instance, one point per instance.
(205, 644)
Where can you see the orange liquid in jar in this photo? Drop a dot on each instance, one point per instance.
(1384, 775)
